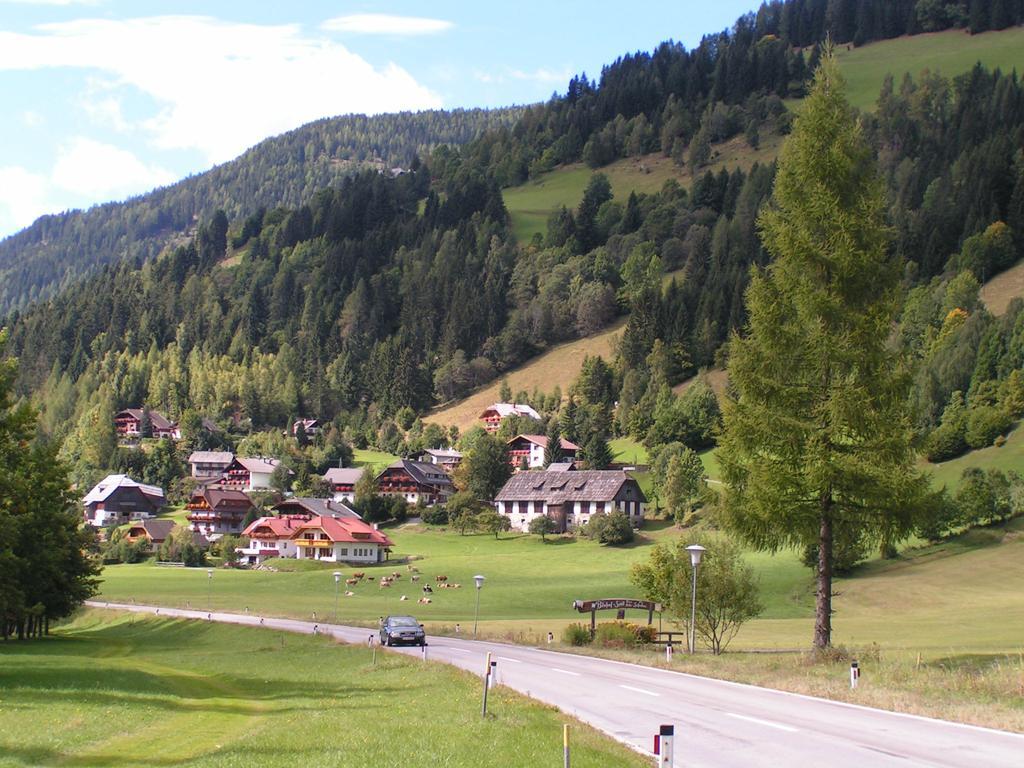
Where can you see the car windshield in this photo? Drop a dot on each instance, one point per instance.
(404, 621)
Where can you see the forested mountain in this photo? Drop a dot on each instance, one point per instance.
(384, 295)
(58, 250)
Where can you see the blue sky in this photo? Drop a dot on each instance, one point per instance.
(106, 99)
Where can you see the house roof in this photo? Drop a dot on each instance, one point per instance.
(262, 464)
(316, 507)
(282, 527)
(344, 529)
(562, 466)
(156, 419)
(443, 453)
(508, 409)
(343, 475)
(542, 441)
(157, 530)
(215, 496)
(211, 457)
(422, 472)
(102, 490)
(557, 487)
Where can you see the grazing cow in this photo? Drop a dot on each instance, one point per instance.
(348, 594)
(456, 586)
(403, 597)
(424, 601)
(427, 590)
(440, 579)
(396, 575)
(416, 577)
(358, 575)
(351, 582)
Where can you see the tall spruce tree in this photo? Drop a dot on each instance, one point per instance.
(553, 452)
(816, 442)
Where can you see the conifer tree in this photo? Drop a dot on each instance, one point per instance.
(816, 442)
(553, 450)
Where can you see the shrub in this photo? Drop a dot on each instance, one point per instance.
(612, 529)
(615, 634)
(645, 633)
(944, 443)
(576, 634)
(436, 515)
(1000, 441)
(986, 423)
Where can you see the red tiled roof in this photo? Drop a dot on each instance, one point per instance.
(344, 529)
(282, 527)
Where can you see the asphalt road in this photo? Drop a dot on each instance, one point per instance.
(717, 723)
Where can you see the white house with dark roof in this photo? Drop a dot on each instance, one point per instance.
(343, 482)
(529, 450)
(116, 499)
(446, 458)
(569, 498)
(250, 474)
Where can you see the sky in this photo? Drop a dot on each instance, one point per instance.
(106, 99)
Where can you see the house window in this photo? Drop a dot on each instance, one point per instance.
(344, 551)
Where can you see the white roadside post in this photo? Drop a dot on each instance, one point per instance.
(487, 684)
(479, 581)
(668, 652)
(337, 586)
(209, 587)
(696, 553)
(664, 745)
(854, 674)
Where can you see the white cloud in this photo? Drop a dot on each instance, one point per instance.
(32, 119)
(22, 197)
(539, 75)
(384, 24)
(221, 87)
(102, 171)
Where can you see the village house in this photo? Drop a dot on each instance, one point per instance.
(209, 465)
(340, 539)
(446, 458)
(250, 474)
(415, 481)
(309, 426)
(215, 512)
(116, 499)
(528, 451)
(492, 416)
(569, 498)
(343, 482)
(270, 537)
(303, 506)
(129, 424)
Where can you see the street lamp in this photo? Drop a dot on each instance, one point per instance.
(209, 587)
(696, 553)
(337, 586)
(479, 581)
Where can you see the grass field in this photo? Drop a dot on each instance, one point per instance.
(362, 457)
(1009, 457)
(948, 53)
(111, 689)
(998, 292)
(559, 366)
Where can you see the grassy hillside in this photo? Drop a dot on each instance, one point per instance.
(998, 292)
(111, 689)
(558, 366)
(1008, 457)
(948, 53)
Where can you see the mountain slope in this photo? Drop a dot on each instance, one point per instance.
(286, 170)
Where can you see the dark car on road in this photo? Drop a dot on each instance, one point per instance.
(402, 630)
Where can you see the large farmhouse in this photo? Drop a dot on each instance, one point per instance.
(215, 512)
(415, 481)
(569, 498)
(343, 482)
(209, 465)
(250, 474)
(492, 416)
(528, 451)
(131, 423)
(116, 499)
(340, 539)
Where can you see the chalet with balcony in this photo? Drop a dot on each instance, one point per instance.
(493, 416)
(208, 466)
(415, 481)
(250, 474)
(215, 512)
(527, 451)
(130, 424)
(445, 458)
(117, 499)
(270, 537)
(343, 482)
(340, 539)
(569, 498)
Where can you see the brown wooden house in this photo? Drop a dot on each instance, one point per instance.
(215, 512)
(415, 481)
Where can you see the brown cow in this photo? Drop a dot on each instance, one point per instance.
(439, 579)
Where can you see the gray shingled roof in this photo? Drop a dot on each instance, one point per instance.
(317, 507)
(556, 487)
(422, 472)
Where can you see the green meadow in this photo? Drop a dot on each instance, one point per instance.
(113, 689)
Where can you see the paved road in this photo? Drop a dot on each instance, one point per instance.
(717, 723)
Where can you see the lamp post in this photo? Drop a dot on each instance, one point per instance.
(337, 586)
(209, 587)
(696, 553)
(479, 581)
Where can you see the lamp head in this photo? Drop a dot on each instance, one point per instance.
(209, 573)
(478, 580)
(337, 576)
(696, 553)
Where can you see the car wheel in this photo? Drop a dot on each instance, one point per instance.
(387, 641)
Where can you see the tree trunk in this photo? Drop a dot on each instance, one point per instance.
(823, 603)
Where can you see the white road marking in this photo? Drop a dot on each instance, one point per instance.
(566, 672)
(768, 723)
(639, 690)
(514, 661)
(457, 650)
